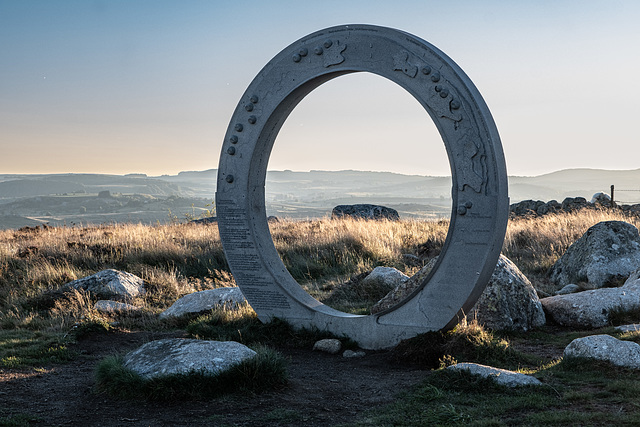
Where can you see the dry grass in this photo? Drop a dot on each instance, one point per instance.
(180, 258)
(535, 244)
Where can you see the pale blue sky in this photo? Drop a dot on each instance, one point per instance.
(149, 86)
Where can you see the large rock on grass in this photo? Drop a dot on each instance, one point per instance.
(509, 302)
(183, 356)
(604, 256)
(500, 376)
(607, 348)
(199, 302)
(110, 284)
(591, 309)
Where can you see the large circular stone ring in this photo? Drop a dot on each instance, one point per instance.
(479, 181)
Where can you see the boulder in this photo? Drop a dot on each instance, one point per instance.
(571, 204)
(384, 277)
(110, 284)
(604, 256)
(602, 199)
(109, 307)
(202, 301)
(404, 289)
(365, 211)
(591, 309)
(183, 356)
(607, 348)
(328, 345)
(500, 376)
(508, 302)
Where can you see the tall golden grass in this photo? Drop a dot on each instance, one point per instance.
(181, 258)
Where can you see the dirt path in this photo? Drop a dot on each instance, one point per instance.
(324, 390)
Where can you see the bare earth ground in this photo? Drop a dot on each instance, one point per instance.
(323, 390)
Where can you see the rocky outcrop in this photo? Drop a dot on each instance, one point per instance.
(199, 302)
(591, 309)
(508, 302)
(110, 284)
(183, 356)
(500, 376)
(607, 348)
(365, 211)
(404, 289)
(604, 256)
(384, 277)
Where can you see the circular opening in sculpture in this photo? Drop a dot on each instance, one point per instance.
(339, 135)
(479, 191)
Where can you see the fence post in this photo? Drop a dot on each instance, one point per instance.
(612, 202)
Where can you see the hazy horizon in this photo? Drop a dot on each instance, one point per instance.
(120, 87)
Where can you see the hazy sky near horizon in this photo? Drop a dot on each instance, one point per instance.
(149, 86)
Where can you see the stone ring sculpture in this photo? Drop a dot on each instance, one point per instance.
(479, 181)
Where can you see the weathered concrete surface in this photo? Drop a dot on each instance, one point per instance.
(605, 255)
(480, 199)
(607, 348)
(500, 376)
(110, 284)
(183, 356)
(202, 301)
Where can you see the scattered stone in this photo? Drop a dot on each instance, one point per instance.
(365, 211)
(607, 348)
(349, 354)
(108, 307)
(602, 199)
(404, 289)
(202, 301)
(184, 356)
(384, 277)
(500, 376)
(571, 288)
(110, 284)
(591, 308)
(508, 302)
(605, 255)
(634, 327)
(272, 218)
(328, 345)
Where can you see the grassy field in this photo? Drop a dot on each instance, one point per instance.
(38, 322)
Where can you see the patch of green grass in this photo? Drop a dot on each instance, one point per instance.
(466, 343)
(92, 327)
(20, 348)
(267, 370)
(244, 327)
(574, 392)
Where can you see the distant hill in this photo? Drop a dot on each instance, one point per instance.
(73, 198)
